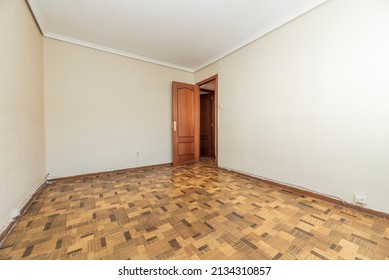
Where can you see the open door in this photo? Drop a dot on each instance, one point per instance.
(186, 123)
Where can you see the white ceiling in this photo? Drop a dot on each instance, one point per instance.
(184, 34)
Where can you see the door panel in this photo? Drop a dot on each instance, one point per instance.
(185, 109)
(185, 148)
(185, 123)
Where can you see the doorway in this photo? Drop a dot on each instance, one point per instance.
(207, 132)
(186, 121)
(208, 119)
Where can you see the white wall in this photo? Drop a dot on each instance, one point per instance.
(101, 109)
(308, 104)
(22, 146)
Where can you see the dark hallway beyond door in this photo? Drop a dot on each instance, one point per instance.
(207, 120)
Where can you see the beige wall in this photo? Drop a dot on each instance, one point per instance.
(103, 109)
(308, 104)
(22, 147)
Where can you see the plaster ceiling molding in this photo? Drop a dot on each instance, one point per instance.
(186, 35)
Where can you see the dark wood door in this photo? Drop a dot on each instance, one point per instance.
(206, 125)
(186, 123)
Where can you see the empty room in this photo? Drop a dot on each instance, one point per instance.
(194, 130)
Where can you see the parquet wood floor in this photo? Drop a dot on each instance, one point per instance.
(188, 212)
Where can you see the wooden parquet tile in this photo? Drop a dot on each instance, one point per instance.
(188, 212)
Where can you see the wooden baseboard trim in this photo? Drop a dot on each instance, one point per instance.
(32, 198)
(111, 171)
(23, 210)
(4, 233)
(323, 197)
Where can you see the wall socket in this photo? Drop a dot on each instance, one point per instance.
(360, 199)
(15, 212)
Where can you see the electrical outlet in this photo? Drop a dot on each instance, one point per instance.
(360, 199)
(15, 212)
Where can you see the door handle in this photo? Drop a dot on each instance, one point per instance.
(174, 126)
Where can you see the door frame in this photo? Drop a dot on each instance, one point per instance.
(216, 112)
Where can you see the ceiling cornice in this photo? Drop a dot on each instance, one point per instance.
(38, 16)
(42, 24)
(114, 51)
(299, 12)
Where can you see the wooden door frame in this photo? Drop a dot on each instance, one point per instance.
(216, 112)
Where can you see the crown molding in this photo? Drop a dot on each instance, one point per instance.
(38, 16)
(295, 14)
(45, 32)
(114, 51)
(42, 24)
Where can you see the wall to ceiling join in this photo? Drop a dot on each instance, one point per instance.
(307, 104)
(22, 133)
(104, 111)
